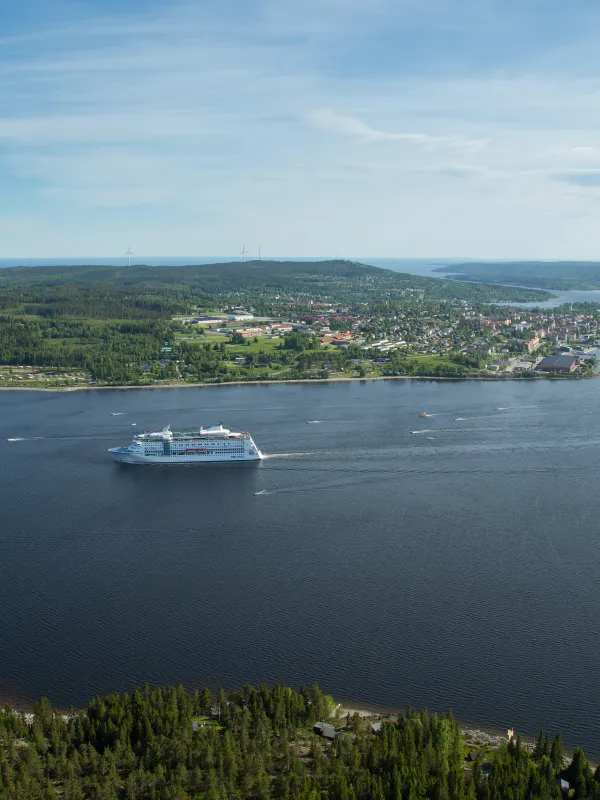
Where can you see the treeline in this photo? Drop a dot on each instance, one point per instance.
(109, 351)
(102, 301)
(457, 366)
(168, 744)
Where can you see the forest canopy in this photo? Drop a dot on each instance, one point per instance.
(260, 743)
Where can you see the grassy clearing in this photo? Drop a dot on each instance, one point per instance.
(264, 345)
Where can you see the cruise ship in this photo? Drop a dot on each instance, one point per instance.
(214, 444)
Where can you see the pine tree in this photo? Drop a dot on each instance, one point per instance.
(556, 752)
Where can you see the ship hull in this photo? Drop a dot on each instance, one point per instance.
(132, 458)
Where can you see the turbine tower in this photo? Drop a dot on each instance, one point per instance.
(129, 253)
(244, 252)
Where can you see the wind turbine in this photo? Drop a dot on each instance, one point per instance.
(244, 252)
(129, 253)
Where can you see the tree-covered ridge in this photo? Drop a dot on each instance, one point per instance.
(168, 744)
(145, 292)
(559, 275)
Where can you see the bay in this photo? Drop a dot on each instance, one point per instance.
(394, 559)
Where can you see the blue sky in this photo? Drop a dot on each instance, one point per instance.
(327, 127)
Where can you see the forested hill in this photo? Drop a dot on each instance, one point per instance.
(560, 275)
(143, 292)
(234, 274)
(258, 744)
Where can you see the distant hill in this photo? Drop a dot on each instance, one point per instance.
(239, 273)
(143, 292)
(560, 275)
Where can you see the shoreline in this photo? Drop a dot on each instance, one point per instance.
(475, 735)
(486, 735)
(271, 382)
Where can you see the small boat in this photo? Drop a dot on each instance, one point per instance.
(459, 419)
(134, 423)
(497, 409)
(313, 421)
(423, 414)
(117, 413)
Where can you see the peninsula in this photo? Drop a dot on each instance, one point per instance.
(554, 275)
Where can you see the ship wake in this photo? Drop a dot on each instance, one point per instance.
(272, 456)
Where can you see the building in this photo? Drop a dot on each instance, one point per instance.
(325, 729)
(533, 343)
(557, 364)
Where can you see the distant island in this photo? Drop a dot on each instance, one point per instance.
(141, 326)
(260, 743)
(555, 275)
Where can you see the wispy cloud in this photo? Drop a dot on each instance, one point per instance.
(328, 120)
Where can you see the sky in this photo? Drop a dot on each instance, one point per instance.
(352, 128)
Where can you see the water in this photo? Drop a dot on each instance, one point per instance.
(458, 566)
(562, 297)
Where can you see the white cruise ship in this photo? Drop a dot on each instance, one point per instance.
(189, 447)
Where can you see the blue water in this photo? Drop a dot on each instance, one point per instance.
(393, 558)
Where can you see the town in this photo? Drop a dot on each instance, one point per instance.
(497, 342)
(268, 321)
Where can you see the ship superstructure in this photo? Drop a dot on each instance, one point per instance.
(189, 447)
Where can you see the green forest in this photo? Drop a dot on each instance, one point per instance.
(141, 292)
(259, 743)
(553, 275)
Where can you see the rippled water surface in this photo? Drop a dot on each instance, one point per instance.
(395, 559)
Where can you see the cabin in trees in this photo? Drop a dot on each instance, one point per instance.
(326, 730)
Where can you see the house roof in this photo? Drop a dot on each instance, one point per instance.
(557, 361)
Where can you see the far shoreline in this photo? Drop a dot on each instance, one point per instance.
(475, 735)
(455, 379)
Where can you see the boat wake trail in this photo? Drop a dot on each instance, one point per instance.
(272, 456)
(425, 430)
(57, 438)
(262, 491)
